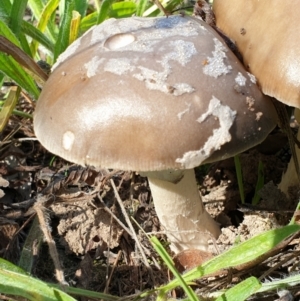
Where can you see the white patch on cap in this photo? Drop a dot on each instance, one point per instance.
(259, 115)
(182, 88)
(182, 53)
(252, 78)
(92, 66)
(215, 66)
(240, 79)
(187, 110)
(119, 66)
(220, 136)
(68, 140)
(119, 40)
(250, 101)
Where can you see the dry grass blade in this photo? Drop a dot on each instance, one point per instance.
(40, 210)
(131, 228)
(23, 59)
(114, 216)
(161, 8)
(111, 273)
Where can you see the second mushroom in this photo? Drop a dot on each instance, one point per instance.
(159, 96)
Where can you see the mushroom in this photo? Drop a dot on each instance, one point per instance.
(265, 34)
(159, 96)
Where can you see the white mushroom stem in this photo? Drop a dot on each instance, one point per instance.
(180, 210)
(290, 177)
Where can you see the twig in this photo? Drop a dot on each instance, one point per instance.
(114, 216)
(112, 271)
(161, 8)
(279, 264)
(131, 228)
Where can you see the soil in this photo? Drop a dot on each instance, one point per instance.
(94, 242)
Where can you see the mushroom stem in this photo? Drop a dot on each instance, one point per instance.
(180, 210)
(290, 177)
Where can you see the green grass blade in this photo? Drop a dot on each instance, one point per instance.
(103, 12)
(18, 284)
(238, 169)
(37, 6)
(24, 43)
(285, 283)
(122, 9)
(141, 7)
(9, 105)
(88, 21)
(241, 291)
(9, 66)
(47, 12)
(2, 76)
(240, 254)
(88, 294)
(5, 8)
(81, 7)
(248, 250)
(22, 114)
(37, 35)
(169, 263)
(7, 32)
(294, 220)
(33, 240)
(175, 4)
(169, 6)
(64, 29)
(153, 10)
(15, 281)
(6, 46)
(16, 18)
(6, 265)
(12, 69)
(16, 15)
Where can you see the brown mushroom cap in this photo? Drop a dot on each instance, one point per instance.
(150, 94)
(267, 35)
